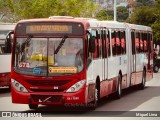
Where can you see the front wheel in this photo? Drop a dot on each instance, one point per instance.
(94, 104)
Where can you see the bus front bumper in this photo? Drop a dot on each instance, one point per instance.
(47, 98)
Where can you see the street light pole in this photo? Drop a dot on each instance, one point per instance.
(115, 10)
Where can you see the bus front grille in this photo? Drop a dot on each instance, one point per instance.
(47, 82)
(47, 90)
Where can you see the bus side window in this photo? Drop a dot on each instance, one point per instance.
(137, 42)
(118, 43)
(150, 42)
(141, 43)
(123, 42)
(99, 43)
(113, 37)
(133, 42)
(108, 44)
(145, 42)
(95, 34)
(104, 50)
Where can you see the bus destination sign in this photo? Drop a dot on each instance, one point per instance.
(48, 29)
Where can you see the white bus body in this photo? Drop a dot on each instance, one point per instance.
(130, 67)
(5, 58)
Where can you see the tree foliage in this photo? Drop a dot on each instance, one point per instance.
(14, 10)
(143, 16)
(146, 13)
(149, 16)
(144, 3)
(156, 24)
(105, 15)
(122, 13)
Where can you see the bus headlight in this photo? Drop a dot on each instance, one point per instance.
(19, 87)
(77, 86)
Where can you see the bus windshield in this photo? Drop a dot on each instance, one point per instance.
(48, 56)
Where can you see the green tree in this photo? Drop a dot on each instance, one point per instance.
(77, 8)
(156, 24)
(7, 10)
(24, 9)
(143, 16)
(122, 13)
(38, 8)
(149, 16)
(144, 3)
(105, 15)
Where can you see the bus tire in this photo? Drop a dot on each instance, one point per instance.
(118, 93)
(94, 104)
(33, 106)
(155, 68)
(142, 84)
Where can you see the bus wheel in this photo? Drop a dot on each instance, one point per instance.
(142, 85)
(119, 88)
(33, 106)
(155, 68)
(96, 96)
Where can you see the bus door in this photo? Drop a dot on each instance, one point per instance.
(105, 47)
(133, 58)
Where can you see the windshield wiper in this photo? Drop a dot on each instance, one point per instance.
(20, 48)
(60, 44)
(26, 42)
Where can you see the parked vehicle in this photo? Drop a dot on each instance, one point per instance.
(5, 53)
(156, 64)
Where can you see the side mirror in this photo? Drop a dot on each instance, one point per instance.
(8, 42)
(92, 44)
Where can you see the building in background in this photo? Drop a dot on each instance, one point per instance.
(109, 4)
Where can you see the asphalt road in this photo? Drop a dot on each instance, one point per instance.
(131, 101)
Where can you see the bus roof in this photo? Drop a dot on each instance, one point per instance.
(7, 26)
(84, 22)
(139, 27)
(90, 22)
(113, 24)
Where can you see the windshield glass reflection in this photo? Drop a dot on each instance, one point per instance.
(37, 56)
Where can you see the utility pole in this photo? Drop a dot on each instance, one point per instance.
(115, 10)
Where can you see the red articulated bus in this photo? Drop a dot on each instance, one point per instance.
(65, 60)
